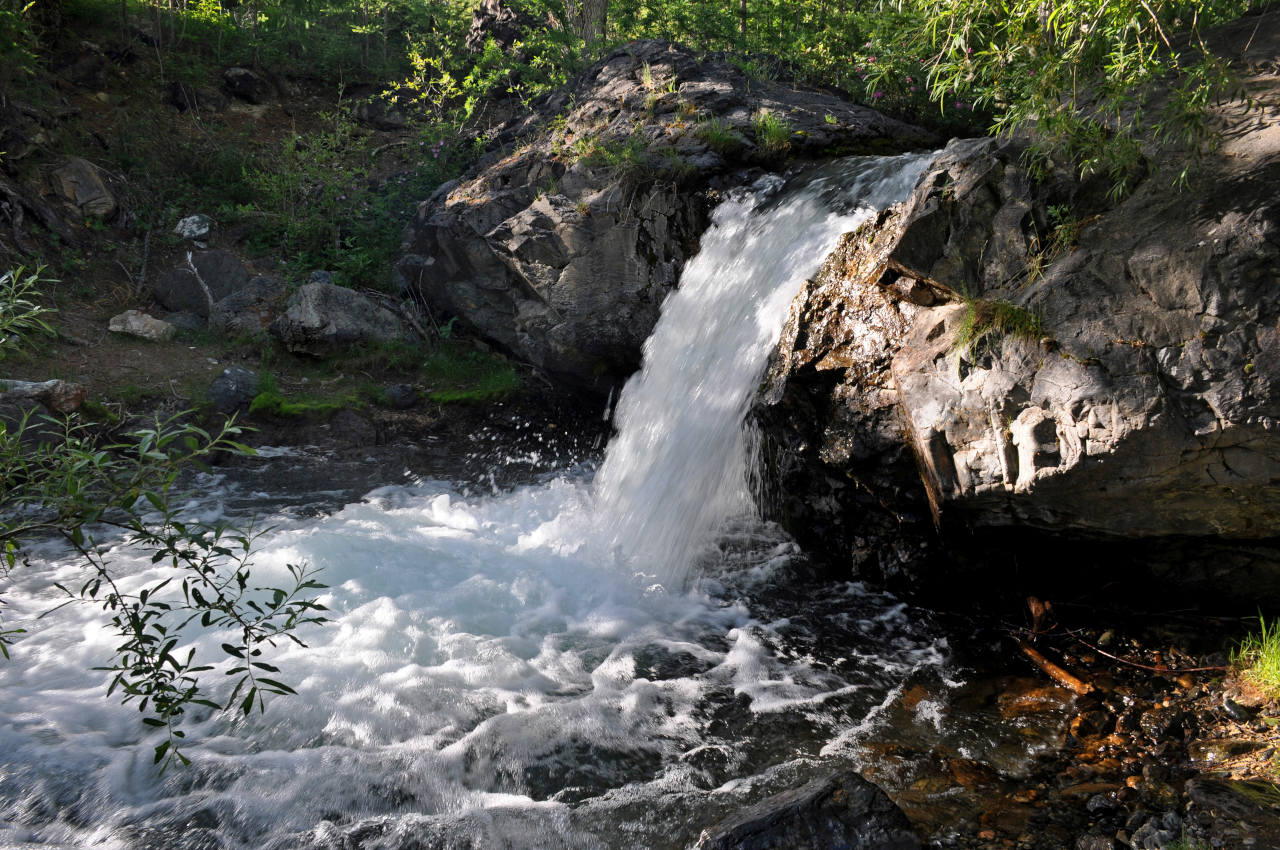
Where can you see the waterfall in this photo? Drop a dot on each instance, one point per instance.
(678, 466)
(490, 678)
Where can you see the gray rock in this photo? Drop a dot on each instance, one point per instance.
(250, 310)
(565, 261)
(401, 396)
(83, 184)
(320, 276)
(56, 395)
(840, 811)
(247, 85)
(185, 320)
(183, 97)
(179, 289)
(323, 319)
(233, 391)
(1147, 409)
(380, 115)
(139, 324)
(194, 227)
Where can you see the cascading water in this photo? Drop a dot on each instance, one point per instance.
(490, 678)
(678, 466)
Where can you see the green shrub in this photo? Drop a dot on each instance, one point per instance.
(20, 314)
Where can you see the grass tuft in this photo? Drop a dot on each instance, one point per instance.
(458, 375)
(1258, 657)
(985, 323)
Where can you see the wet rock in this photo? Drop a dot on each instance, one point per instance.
(220, 273)
(233, 390)
(139, 324)
(322, 319)
(250, 310)
(1160, 723)
(1158, 832)
(247, 85)
(1090, 723)
(1215, 752)
(841, 811)
(1033, 698)
(84, 185)
(1094, 841)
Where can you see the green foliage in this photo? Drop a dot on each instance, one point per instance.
(457, 373)
(319, 205)
(985, 323)
(270, 401)
(1080, 72)
(18, 42)
(71, 485)
(773, 134)
(20, 314)
(1257, 658)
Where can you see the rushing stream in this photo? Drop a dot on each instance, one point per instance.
(598, 659)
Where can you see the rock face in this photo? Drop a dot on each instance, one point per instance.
(321, 318)
(83, 184)
(1135, 393)
(840, 811)
(563, 251)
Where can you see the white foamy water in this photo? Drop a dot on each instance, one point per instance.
(679, 464)
(490, 677)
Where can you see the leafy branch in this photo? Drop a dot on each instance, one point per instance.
(71, 487)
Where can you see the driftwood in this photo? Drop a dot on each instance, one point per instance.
(58, 396)
(1062, 677)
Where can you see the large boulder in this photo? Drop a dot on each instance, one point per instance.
(321, 319)
(250, 310)
(1132, 393)
(216, 275)
(563, 251)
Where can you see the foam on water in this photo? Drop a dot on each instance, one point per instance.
(490, 678)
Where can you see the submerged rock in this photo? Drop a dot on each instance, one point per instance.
(563, 251)
(843, 810)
